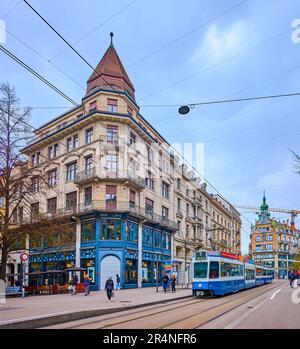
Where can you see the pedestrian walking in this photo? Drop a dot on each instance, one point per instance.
(118, 282)
(165, 281)
(87, 283)
(173, 283)
(74, 282)
(109, 287)
(292, 276)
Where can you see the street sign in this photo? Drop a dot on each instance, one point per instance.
(24, 256)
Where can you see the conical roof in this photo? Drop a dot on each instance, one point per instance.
(110, 74)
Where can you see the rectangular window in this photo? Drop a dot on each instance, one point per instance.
(71, 199)
(213, 270)
(21, 215)
(112, 135)
(112, 162)
(71, 171)
(258, 247)
(149, 182)
(132, 138)
(34, 208)
(89, 164)
(75, 142)
(33, 159)
(112, 105)
(165, 190)
(93, 106)
(269, 247)
(165, 213)
(88, 196)
(147, 236)
(149, 206)
(131, 232)
(111, 197)
(111, 229)
(50, 152)
(88, 230)
(200, 270)
(157, 239)
(270, 237)
(35, 182)
(55, 150)
(258, 238)
(52, 205)
(15, 216)
(69, 144)
(52, 178)
(89, 136)
(132, 199)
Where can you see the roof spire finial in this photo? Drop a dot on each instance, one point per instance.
(111, 38)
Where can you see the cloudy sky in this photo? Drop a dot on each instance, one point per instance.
(178, 52)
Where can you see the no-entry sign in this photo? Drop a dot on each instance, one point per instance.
(24, 257)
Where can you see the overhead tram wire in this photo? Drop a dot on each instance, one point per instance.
(100, 75)
(44, 58)
(95, 28)
(32, 71)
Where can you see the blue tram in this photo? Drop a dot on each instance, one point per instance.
(220, 273)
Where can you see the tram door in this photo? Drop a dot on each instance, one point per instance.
(110, 266)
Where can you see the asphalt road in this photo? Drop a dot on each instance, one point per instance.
(267, 306)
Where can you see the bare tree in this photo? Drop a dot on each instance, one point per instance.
(17, 178)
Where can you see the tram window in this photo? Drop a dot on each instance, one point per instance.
(249, 274)
(231, 269)
(214, 270)
(200, 270)
(260, 272)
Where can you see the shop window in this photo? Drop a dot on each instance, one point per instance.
(88, 230)
(157, 239)
(131, 270)
(111, 229)
(147, 270)
(131, 232)
(147, 236)
(89, 264)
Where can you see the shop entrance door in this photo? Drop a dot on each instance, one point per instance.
(110, 266)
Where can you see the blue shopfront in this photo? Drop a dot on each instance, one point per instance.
(109, 246)
(114, 238)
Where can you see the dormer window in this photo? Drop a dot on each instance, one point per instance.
(112, 105)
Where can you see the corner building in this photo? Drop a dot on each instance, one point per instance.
(111, 174)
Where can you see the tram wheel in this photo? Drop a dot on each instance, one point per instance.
(208, 294)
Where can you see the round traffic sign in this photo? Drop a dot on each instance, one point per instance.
(24, 256)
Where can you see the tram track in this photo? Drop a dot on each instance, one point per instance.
(151, 311)
(216, 311)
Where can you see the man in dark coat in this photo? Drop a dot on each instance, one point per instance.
(109, 287)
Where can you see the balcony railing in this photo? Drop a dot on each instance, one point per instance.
(109, 174)
(113, 207)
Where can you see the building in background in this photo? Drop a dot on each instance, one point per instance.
(274, 243)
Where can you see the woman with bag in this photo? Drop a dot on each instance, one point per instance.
(109, 287)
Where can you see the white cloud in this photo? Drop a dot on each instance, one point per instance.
(219, 43)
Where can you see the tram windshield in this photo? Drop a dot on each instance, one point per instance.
(200, 270)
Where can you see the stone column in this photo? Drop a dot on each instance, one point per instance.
(78, 243)
(140, 255)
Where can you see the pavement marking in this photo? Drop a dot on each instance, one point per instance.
(274, 294)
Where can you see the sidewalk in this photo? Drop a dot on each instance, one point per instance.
(45, 310)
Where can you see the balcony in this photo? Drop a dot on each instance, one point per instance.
(109, 207)
(122, 176)
(86, 177)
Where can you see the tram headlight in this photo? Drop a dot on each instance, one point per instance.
(199, 285)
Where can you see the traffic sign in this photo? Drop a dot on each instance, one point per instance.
(24, 256)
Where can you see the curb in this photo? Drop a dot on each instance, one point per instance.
(39, 322)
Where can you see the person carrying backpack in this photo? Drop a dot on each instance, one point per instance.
(109, 287)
